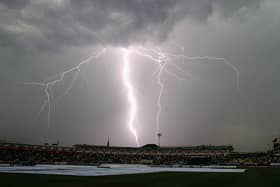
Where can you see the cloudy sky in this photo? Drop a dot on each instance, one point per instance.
(39, 39)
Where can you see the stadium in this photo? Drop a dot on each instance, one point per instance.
(53, 165)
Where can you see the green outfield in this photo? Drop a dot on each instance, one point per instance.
(261, 177)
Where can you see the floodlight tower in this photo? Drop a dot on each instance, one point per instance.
(159, 135)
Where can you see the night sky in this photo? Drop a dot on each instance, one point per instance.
(39, 39)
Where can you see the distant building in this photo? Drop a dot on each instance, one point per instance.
(150, 146)
(56, 144)
(276, 146)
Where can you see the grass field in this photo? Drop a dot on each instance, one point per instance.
(261, 177)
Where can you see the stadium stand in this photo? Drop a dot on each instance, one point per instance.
(25, 154)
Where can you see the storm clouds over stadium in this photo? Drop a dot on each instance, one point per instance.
(40, 39)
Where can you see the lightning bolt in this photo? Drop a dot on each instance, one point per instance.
(130, 94)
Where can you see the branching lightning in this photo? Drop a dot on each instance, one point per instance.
(156, 55)
(48, 85)
(163, 59)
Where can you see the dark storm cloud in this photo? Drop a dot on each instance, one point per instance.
(15, 4)
(50, 24)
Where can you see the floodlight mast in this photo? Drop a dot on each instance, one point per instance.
(159, 135)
